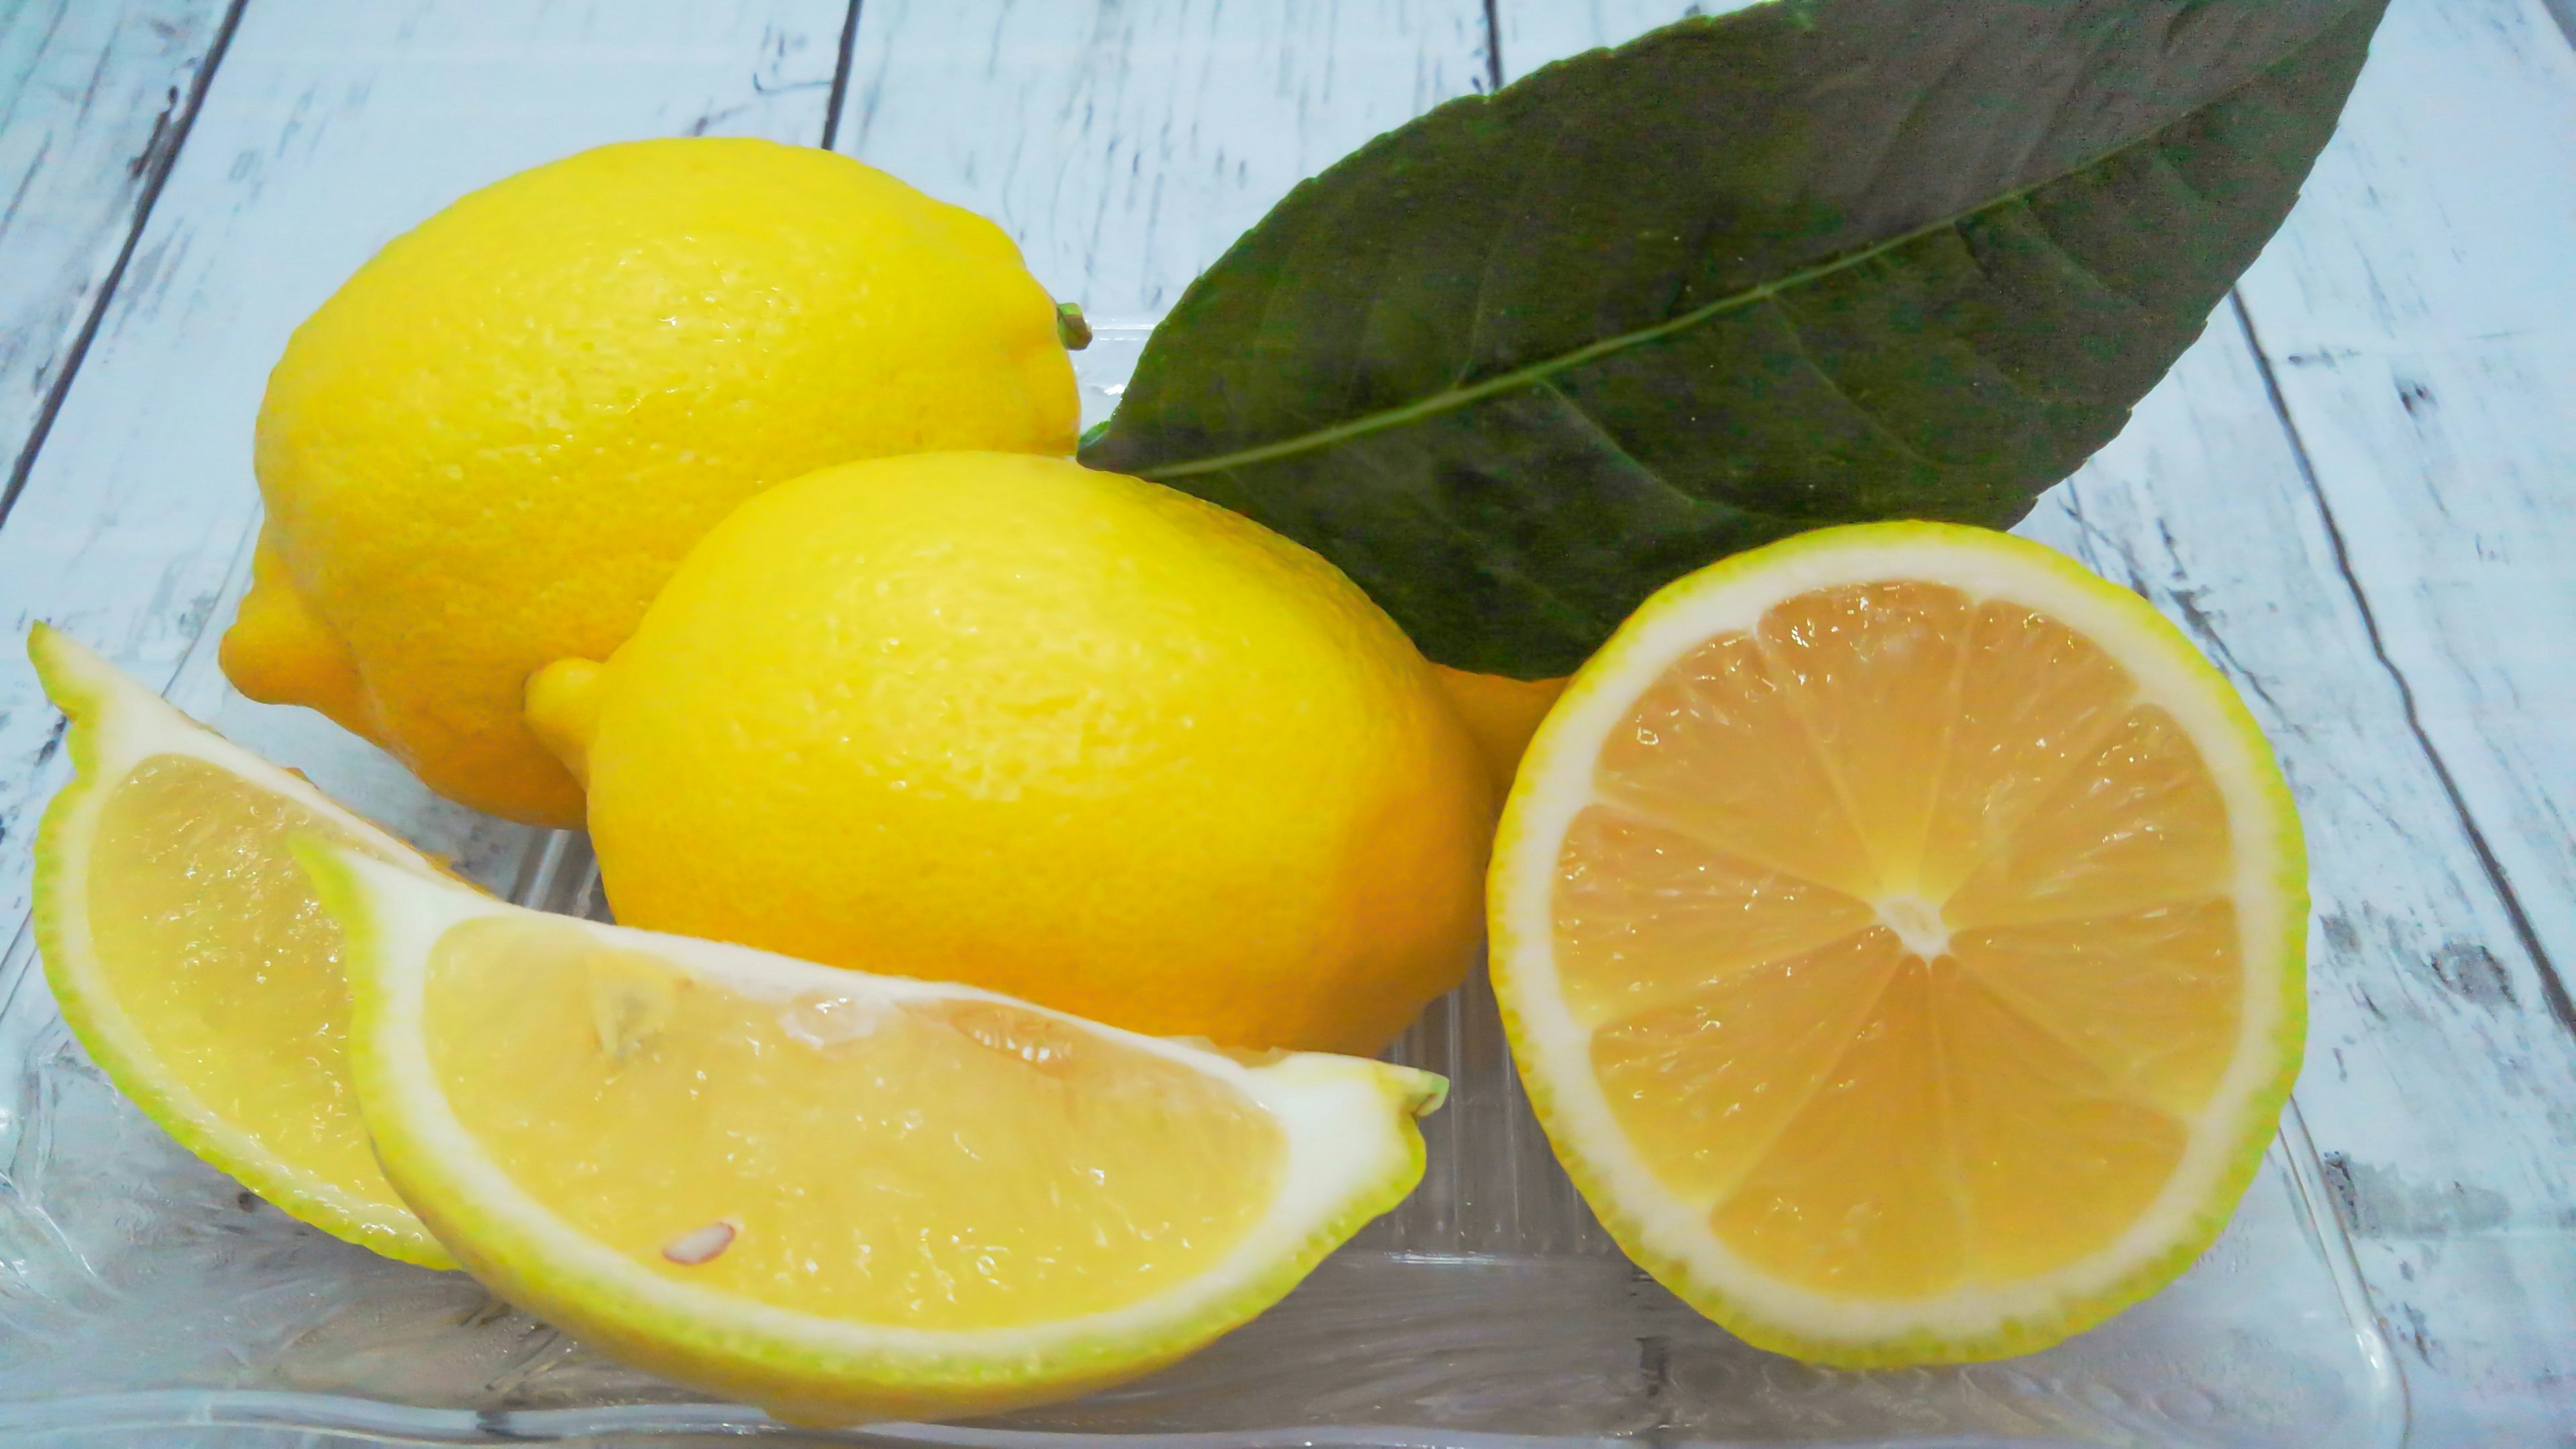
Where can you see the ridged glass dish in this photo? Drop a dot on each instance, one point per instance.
(146, 1300)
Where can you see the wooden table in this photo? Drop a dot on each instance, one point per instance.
(2356, 491)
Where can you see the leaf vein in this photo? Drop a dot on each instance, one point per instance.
(1454, 398)
(1807, 356)
(1601, 430)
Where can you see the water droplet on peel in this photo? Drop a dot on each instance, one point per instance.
(1039, 1041)
(826, 1021)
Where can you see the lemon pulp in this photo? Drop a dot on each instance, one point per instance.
(1903, 931)
(934, 1163)
(841, 1196)
(190, 956)
(204, 926)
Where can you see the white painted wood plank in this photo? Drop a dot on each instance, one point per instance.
(2438, 1086)
(328, 129)
(2435, 1087)
(2411, 1016)
(88, 94)
(1534, 32)
(1125, 146)
(2419, 313)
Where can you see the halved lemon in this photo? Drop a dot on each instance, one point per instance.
(839, 1196)
(189, 956)
(1901, 932)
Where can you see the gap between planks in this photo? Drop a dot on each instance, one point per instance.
(160, 154)
(841, 75)
(841, 86)
(2553, 987)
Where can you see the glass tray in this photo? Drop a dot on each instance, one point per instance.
(145, 1299)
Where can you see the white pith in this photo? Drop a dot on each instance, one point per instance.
(1557, 783)
(1345, 1124)
(1917, 924)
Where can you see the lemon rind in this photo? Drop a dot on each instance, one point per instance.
(1354, 1153)
(2229, 1139)
(115, 725)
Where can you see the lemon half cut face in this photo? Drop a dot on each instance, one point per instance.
(1902, 934)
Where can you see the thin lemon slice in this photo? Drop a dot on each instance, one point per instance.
(1901, 932)
(836, 1195)
(190, 957)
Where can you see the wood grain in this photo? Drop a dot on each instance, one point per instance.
(2379, 560)
(2415, 317)
(1125, 146)
(92, 98)
(2419, 315)
(2433, 1099)
(328, 129)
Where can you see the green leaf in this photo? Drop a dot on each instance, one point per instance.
(1520, 361)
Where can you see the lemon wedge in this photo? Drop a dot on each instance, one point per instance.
(190, 957)
(839, 1196)
(1901, 932)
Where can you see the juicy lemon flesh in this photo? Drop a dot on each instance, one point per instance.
(1903, 929)
(931, 1163)
(209, 937)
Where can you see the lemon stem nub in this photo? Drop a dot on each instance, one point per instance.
(1070, 328)
(563, 711)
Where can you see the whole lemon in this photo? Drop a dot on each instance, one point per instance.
(1005, 720)
(490, 447)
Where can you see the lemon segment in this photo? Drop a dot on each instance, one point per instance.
(838, 1195)
(190, 957)
(1901, 932)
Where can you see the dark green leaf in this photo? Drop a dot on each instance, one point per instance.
(1520, 361)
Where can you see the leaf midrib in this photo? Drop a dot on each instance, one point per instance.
(1451, 399)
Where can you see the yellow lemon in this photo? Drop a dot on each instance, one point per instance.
(1500, 712)
(492, 444)
(189, 954)
(1901, 932)
(840, 1196)
(1060, 733)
